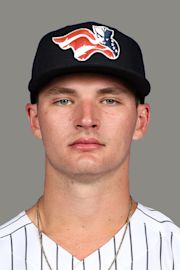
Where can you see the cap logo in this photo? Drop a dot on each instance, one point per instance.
(84, 43)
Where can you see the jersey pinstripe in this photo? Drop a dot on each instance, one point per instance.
(152, 242)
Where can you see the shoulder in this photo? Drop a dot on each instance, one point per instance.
(158, 223)
(14, 224)
(13, 229)
(155, 237)
(13, 241)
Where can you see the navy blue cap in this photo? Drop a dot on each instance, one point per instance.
(88, 47)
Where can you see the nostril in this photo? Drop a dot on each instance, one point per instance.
(80, 126)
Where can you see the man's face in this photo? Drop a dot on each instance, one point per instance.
(87, 123)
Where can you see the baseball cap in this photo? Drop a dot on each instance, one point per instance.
(88, 47)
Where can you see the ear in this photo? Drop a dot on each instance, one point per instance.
(32, 115)
(143, 117)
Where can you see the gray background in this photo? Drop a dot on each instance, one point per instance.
(155, 159)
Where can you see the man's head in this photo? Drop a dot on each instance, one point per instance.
(88, 80)
(89, 47)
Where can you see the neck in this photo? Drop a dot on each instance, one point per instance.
(85, 202)
(78, 210)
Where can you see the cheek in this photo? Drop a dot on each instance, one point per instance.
(56, 119)
(121, 121)
(120, 129)
(54, 127)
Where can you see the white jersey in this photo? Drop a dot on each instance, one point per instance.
(152, 242)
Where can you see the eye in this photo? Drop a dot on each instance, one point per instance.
(110, 101)
(64, 102)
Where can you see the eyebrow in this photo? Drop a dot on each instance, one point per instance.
(60, 90)
(111, 90)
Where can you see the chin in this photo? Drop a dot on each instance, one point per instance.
(84, 169)
(87, 170)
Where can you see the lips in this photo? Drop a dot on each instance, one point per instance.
(86, 144)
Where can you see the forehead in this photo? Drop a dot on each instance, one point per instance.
(87, 82)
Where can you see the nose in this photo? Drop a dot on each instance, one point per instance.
(87, 116)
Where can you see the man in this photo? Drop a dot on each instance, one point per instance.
(87, 91)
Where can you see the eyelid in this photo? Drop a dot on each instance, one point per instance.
(111, 98)
(60, 99)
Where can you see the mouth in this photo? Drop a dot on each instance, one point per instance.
(86, 144)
